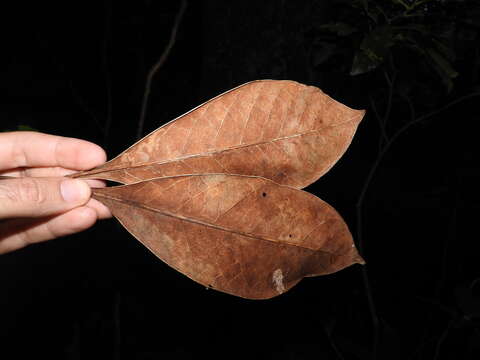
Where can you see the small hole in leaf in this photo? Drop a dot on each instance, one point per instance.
(264, 194)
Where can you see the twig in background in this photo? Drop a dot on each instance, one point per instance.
(359, 206)
(158, 65)
(108, 80)
(117, 346)
(328, 331)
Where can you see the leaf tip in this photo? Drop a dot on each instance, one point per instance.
(357, 259)
(361, 114)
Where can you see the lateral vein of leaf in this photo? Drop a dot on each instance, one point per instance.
(307, 104)
(234, 102)
(220, 164)
(292, 99)
(203, 191)
(192, 127)
(273, 103)
(234, 205)
(254, 103)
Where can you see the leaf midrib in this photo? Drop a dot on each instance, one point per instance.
(199, 222)
(214, 152)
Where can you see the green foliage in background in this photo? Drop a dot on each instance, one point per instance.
(396, 35)
(20, 127)
(408, 54)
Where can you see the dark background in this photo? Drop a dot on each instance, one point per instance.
(78, 69)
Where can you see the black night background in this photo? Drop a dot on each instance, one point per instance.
(79, 69)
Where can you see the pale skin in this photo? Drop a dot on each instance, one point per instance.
(39, 203)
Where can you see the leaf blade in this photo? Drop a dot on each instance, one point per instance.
(282, 130)
(243, 235)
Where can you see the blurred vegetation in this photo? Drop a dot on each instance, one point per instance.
(20, 127)
(407, 51)
(393, 35)
(408, 54)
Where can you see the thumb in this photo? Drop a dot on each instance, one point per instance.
(38, 197)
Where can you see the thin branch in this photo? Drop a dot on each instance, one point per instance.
(400, 132)
(366, 9)
(368, 289)
(442, 338)
(387, 78)
(388, 110)
(332, 343)
(380, 9)
(108, 81)
(416, 4)
(410, 107)
(83, 105)
(438, 304)
(117, 345)
(443, 275)
(163, 58)
(383, 133)
(405, 5)
(361, 198)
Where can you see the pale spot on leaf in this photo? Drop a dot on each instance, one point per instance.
(277, 278)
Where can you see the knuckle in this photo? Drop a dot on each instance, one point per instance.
(29, 190)
(8, 192)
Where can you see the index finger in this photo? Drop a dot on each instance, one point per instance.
(32, 149)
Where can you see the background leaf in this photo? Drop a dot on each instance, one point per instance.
(338, 28)
(443, 68)
(373, 50)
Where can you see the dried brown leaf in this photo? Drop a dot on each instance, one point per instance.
(243, 235)
(281, 130)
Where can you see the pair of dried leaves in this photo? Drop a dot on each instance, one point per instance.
(215, 193)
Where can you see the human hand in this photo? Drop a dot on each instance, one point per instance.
(39, 203)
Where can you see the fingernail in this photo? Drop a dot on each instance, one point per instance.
(74, 190)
